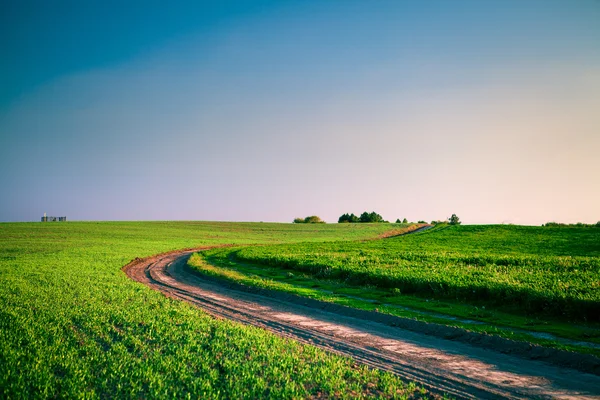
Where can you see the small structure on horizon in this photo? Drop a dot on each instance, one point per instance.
(46, 218)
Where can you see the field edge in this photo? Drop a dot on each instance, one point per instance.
(583, 362)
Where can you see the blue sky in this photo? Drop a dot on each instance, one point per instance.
(265, 111)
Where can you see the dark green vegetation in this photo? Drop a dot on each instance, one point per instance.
(577, 225)
(541, 279)
(313, 219)
(454, 220)
(365, 217)
(351, 218)
(73, 325)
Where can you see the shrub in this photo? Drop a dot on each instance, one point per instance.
(563, 225)
(551, 224)
(313, 219)
(454, 220)
(371, 217)
(345, 218)
(364, 217)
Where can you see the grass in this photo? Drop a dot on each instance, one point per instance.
(73, 325)
(512, 281)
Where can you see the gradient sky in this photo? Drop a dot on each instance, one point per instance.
(270, 110)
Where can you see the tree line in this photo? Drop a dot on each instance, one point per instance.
(577, 225)
(369, 217)
(364, 217)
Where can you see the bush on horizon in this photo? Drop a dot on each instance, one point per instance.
(313, 219)
(454, 220)
(577, 225)
(365, 217)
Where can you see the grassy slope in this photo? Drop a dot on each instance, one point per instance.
(73, 325)
(532, 278)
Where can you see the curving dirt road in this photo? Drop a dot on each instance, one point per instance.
(442, 366)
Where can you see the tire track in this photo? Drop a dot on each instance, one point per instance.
(440, 365)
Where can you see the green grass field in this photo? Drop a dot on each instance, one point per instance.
(73, 325)
(538, 279)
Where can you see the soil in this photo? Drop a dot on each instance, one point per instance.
(445, 360)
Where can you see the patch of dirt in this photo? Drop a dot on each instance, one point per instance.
(443, 359)
(404, 231)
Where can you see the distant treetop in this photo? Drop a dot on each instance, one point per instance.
(346, 218)
(454, 220)
(364, 217)
(577, 225)
(313, 219)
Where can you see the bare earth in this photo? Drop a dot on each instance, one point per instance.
(443, 366)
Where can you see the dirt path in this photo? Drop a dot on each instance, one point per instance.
(443, 366)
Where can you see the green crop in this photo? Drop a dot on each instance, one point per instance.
(73, 325)
(553, 271)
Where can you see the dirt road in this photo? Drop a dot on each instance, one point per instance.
(442, 366)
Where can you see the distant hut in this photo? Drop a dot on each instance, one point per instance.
(47, 218)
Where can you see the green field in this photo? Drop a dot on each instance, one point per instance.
(539, 279)
(73, 325)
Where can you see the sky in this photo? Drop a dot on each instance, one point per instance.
(271, 110)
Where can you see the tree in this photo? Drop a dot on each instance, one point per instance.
(345, 218)
(313, 219)
(364, 217)
(405, 221)
(454, 220)
(370, 217)
(398, 221)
